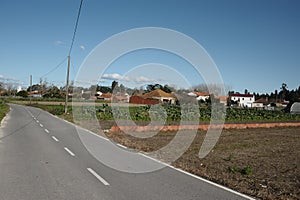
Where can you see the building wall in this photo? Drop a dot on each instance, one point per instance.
(203, 98)
(244, 101)
(257, 105)
(165, 99)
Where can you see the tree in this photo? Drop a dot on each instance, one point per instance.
(130, 91)
(93, 88)
(104, 89)
(11, 89)
(292, 96)
(22, 93)
(114, 84)
(1, 86)
(276, 95)
(283, 86)
(283, 91)
(122, 88)
(53, 92)
(43, 85)
(34, 88)
(150, 87)
(86, 96)
(167, 89)
(156, 86)
(200, 88)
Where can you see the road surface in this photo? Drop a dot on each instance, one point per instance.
(42, 157)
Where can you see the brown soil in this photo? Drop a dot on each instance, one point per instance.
(261, 162)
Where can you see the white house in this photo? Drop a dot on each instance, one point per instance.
(199, 95)
(243, 100)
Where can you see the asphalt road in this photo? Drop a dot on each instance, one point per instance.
(42, 157)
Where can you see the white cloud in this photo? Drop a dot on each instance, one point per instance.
(115, 77)
(82, 47)
(6, 78)
(62, 44)
(137, 80)
(143, 79)
(59, 43)
(87, 82)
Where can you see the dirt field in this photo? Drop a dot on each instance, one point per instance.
(263, 163)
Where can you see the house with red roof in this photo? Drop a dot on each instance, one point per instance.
(260, 103)
(161, 95)
(157, 96)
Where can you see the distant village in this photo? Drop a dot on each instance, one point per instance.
(158, 94)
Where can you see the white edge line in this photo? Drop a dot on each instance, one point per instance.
(160, 162)
(41, 125)
(180, 170)
(199, 178)
(46, 130)
(76, 126)
(104, 138)
(70, 152)
(172, 167)
(97, 176)
(56, 140)
(37, 121)
(120, 145)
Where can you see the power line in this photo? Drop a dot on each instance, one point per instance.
(75, 29)
(55, 68)
(71, 47)
(68, 69)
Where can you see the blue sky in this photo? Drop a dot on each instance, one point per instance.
(255, 44)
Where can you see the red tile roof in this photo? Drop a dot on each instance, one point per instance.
(261, 100)
(201, 93)
(158, 93)
(222, 98)
(242, 95)
(106, 95)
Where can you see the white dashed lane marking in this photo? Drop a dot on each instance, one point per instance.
(98, 176)
(69, 151)
(55, 139)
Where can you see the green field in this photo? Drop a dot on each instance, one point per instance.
(169, 112)
(4, 108)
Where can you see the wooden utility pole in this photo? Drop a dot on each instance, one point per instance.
(41, 86)
(67, 86)
(30, 88)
